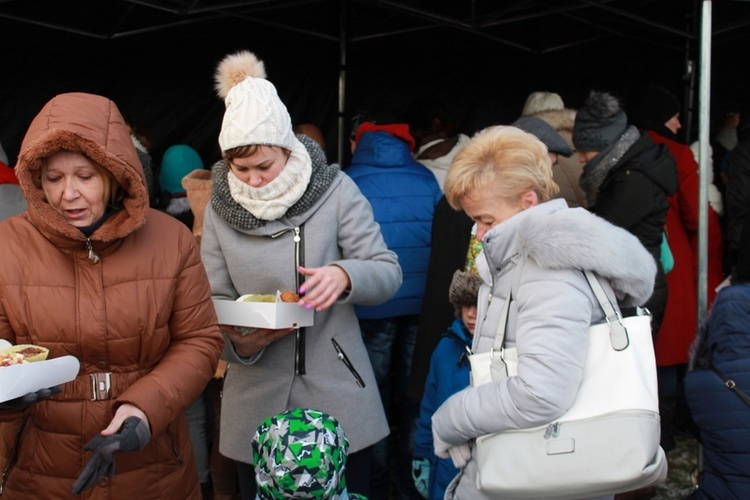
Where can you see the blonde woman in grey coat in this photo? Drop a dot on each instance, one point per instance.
(281, 218)
(503, 180)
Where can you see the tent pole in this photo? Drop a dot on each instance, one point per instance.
(704, 123)
(342, 84)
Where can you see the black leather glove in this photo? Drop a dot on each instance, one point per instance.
(133, 435)
(23, 402)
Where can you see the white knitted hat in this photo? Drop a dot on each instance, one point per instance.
(541, 101)
(254, 113)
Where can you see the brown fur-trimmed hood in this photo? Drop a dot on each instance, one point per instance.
(562, 120)
(93, 126)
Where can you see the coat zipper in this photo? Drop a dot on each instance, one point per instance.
(173, 444)
(93, 256)
(299, 260)
(13, 456)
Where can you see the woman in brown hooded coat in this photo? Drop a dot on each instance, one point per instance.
(120, 287)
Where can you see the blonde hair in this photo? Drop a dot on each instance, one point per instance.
(505, 158)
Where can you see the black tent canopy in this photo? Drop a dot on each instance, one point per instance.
(327, 58)
(155, 58)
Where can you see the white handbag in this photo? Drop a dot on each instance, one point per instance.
(606, 443)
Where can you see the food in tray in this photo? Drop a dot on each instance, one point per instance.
(22, 353)
(285, 296)
(256, 297)
(289, 296)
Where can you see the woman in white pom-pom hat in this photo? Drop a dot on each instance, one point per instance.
(281, 218)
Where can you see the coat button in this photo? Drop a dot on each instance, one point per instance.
(103, 365)
(103, 482)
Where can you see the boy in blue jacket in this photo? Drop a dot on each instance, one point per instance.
(449, 373)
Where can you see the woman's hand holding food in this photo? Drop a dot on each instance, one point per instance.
(252, 343)
(323, 286)
(23, 402)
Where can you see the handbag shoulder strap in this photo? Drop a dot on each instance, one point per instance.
(502, 325)
(732, 386)
(618, 334)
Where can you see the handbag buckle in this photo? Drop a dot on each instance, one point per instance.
(553, 430)
(618, 334)
(100, 384)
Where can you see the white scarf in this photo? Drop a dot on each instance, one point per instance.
(271, 202)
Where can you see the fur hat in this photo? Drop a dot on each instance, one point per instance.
(300, 453)
(541, 101)
(545, 133)
(464, 290)
(178, 161)
(254, 113)
(599, 123)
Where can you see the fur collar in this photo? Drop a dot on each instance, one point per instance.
(90, 125)
(561, 120)
(557, 237)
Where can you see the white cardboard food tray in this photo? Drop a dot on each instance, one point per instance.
(263, 314)
(17, 380)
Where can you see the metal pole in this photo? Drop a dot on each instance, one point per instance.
(342, 85)
(704, 123)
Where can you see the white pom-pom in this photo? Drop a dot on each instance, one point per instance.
(236, 67)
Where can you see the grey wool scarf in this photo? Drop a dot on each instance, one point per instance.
(239, 218)
(595, 171)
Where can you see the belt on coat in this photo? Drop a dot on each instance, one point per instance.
(99, 386)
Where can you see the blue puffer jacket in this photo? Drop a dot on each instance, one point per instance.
(449, 373)
(722, 417)
(403, 195)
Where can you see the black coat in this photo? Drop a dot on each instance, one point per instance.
(634, 197)
(451, 232)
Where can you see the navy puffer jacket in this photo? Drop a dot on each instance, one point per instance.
(722, 417)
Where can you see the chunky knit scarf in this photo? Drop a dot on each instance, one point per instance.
(240, 218)
(271, 201)
(595, 171)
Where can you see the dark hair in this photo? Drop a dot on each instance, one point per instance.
(376, 117)
(426, 116)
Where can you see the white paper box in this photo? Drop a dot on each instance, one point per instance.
(17, 380)
(274, 315)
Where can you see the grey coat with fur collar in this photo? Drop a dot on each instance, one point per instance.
(552, 309)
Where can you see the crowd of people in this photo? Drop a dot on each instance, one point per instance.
(407, 256)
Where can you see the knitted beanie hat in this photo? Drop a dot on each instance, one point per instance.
(599, 123)
(652, 107)
(399, 130)
(464, 290)
(254, 113)
(542, 101)
(178, 161)
(300, 453)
